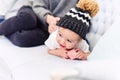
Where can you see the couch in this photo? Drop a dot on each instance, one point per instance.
(35, 63)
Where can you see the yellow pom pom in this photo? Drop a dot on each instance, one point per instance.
(89, 5)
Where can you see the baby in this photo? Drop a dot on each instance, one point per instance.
(68, 41)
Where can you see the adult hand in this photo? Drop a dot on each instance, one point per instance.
(51, 20)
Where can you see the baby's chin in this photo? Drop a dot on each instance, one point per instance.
(66, 48)
(62, 47)
(69, 49)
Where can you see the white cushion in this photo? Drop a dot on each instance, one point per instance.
(108, 47)
(5, 5)
(5, 72)
(99, 70)
(107, 15)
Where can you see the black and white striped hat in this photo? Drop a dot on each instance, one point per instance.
(76, 20)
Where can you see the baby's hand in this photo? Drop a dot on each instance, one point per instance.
(59, 52)
(73, 54)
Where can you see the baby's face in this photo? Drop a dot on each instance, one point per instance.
(67, 39)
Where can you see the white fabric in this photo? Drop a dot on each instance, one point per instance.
(109, 44)
(5, 72)
(99, 70)
(5, 5)
(31, 63)
(51, 43)
(16, 6)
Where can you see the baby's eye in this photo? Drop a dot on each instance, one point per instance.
(69, 41)
(60, 35)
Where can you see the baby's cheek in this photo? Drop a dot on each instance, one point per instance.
(71, 46)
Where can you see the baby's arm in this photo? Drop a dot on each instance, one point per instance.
(78, 54)
(59, 52)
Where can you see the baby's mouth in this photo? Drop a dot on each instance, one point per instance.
(62, 46)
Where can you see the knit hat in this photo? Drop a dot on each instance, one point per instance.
(78, 19)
